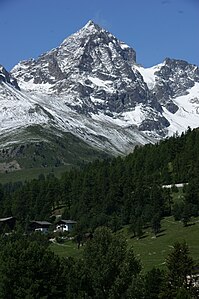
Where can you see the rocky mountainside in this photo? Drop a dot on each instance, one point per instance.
(92, 88)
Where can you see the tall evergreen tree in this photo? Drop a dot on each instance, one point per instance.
(111, 265)
(179, 270)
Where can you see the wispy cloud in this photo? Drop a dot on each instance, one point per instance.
(164, 2)
(100, 20)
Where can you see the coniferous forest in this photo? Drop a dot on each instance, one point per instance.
(103, 197)
(113, 192)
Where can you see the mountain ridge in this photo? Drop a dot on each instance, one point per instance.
(92, 87)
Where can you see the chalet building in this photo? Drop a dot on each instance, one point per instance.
(7, 223)
(42, 226)
(65, 225)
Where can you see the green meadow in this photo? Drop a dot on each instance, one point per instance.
(32, 173)
(67, 249)
(150, 250)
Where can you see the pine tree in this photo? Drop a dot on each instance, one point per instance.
(111, 265)
(179, 268)
(156, 223)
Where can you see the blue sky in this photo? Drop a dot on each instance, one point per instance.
(156, 29)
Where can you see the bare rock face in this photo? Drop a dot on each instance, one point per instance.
(95, 70)
(175, 77)
(9, 166)
(6, 77)
(92, 87)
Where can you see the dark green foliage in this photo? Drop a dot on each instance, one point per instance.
(28, 270)
(114, 191)
(153, 283)
(156, 223)
(179, 270)
(178, 211)
(183, 293)
(111, 266)
(77, 284)
(132, 226)
(108, 270)
(139, 228)
(179, 265)
(186, 214)
(192, 195)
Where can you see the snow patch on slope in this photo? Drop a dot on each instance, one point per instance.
(148, 74)
(134, 117)
(19, 110)
(31, 86)
(101, 83)
(187, 114)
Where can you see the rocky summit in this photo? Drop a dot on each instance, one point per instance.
(92, 88)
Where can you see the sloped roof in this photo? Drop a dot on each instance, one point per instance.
(7, 219)
(66, 221)
(41, 222)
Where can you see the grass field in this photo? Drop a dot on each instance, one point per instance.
(31, 173)
(68, 248)
(151, 251)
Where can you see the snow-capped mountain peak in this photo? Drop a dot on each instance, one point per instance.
(90, 50)
(90, 28)
(91, 86)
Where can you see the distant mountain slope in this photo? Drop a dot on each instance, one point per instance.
(90, 86)
(38, 147)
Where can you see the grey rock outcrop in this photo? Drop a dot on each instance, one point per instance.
(6, 77)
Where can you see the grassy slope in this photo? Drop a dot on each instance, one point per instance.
(67, 249)
(60, 152)
(31, 173)
(151, 251)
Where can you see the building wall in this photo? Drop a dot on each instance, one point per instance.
(64, 227)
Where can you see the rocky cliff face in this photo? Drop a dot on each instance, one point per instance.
(7, 78)
(92, 87)
(175, 78)
(93, 71)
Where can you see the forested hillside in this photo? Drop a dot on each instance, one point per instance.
(117, 191)
(111, 193)
(108, 269)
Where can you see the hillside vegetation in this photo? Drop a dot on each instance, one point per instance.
(148, 223)
(48, 148)
(116, 192)
(150, 250)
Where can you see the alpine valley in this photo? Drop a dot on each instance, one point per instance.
(88, 99)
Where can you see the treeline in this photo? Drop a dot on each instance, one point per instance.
(108, 270)
(115, 192)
